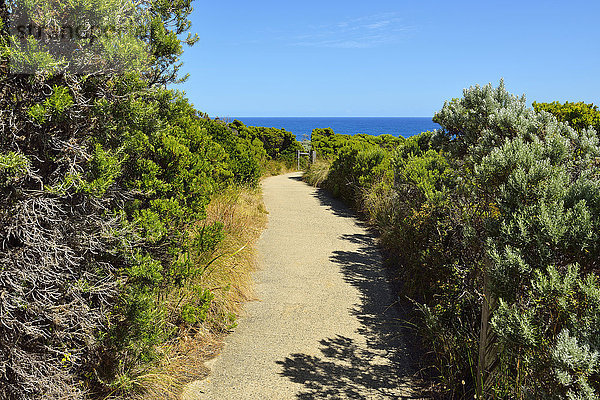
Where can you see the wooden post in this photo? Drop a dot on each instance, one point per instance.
(298, 155)
(314, 156)
(487, 349)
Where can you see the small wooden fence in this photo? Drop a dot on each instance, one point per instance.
(312, 155)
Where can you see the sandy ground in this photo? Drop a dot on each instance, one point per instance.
(324, 325)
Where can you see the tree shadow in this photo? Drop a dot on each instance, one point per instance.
(334, 205)
(384, 367)
(345, 371)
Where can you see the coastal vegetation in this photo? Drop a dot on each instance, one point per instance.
(127, 217)
(492, 225)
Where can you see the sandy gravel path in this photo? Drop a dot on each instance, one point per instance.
(324, 325)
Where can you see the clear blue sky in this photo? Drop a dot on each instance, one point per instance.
(386, 57)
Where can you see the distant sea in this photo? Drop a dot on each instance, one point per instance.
(303, 126)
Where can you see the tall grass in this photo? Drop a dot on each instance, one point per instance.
(279, 167)
(244, 217)
(228, 276)
(317, 173)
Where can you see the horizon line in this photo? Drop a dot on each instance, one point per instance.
(328, 116)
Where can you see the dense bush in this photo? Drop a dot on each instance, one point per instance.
(68, 253)
(327, 143)
(433, 235)
(169, 167)
(278, 143)
(580, 115)
(357, 161)
(245, 155)
(355, 168)
(538, 176)
(104, 183)
(500, 206)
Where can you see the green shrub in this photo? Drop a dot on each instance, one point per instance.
(327, 143)
(580, 115)
(355, 168)
(554, 336)
(105, 183)
(356, 162)
(245, 155)
(531, 169)
(13, 167)
(278, 143)
(505, 195)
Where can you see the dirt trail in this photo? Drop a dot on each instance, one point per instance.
(324, 325)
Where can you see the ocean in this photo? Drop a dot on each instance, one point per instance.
(303, 126)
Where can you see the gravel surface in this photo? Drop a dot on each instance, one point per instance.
(325, 325)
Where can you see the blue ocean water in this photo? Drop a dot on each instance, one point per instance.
(303, 126)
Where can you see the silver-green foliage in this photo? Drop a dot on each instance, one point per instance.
(542, 176)
(554, 337)
(99, 36)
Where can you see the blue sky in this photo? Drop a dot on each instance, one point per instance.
(386, 57)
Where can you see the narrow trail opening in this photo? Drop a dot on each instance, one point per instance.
(324, 325)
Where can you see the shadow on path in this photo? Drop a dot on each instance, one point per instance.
(296, 178)
(381, 369)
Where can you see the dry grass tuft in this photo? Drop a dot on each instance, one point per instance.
(244, 216)
(317, 173)
(183, 363)
(277, 167)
